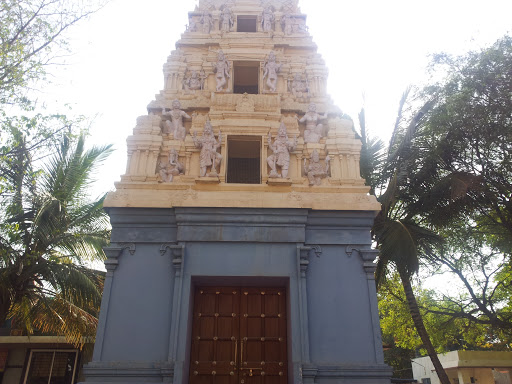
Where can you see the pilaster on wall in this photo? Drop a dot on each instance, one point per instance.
(303, 255)
(177, 253)
(368, 257)
(113, 253)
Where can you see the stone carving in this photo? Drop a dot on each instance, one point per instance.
(266, 19)
(316, 171)
(281, 156)
(192, 25)
(300, 26)
(206, 22)
(291, 24)
(299, 88)
(245, 104)
(313, 132)
(171, 168)
(287, 22)
(209, 157)
(222, 70)
(195, 81)
(271, 70)
(226, 18)
(175, 125)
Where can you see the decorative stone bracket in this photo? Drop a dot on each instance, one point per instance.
(113, 254)
(177, 253)
(304, 253)
(368, 256)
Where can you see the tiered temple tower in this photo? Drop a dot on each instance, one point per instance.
(241, 248)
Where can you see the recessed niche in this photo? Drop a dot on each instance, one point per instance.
(246, 24)
(246, 75)
(244, 160)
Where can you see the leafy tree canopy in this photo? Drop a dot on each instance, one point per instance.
(49, 234)
(446, 203)
(32, 37)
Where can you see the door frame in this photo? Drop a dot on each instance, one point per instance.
(238, 282)
(290, 273)
(240, 288)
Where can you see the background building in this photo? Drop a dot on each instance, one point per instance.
(482, 367)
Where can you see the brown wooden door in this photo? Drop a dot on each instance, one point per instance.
(239, 336)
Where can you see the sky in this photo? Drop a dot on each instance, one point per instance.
(373, 48)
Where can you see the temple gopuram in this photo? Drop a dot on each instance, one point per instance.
(241, 249)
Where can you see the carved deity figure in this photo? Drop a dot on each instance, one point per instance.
(302, 27)
(192, 25)
(209, 157)
(299, 87)
(226, 19)
(313, 132)
(193, 82)
(287, 22)
(315, 171)
(271, 70)
(266, 19)
(175, 125)
(206, 22)
(281, 156)
(170, 169)
(221, 69)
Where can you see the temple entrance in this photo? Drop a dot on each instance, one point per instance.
(239, 336)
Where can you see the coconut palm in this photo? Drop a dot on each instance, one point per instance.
(399, 233)
(49, 236)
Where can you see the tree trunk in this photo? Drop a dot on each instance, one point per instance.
(420, 327)
(5, 305)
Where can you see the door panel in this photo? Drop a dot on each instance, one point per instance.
(239, 336)
(214, 336)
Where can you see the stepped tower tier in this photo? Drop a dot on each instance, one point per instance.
(241, 249)
(246, 67)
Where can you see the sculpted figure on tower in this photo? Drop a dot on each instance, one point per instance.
(193, 82)
(281, 156)
(266, 19)
(226, 18)
(171, 168)
(299, 88)
(287, 22)
(209, 157)
(313, 132)
(221, 69)
(271, 70)
(206, 22)
(175, 125)
(315, 171)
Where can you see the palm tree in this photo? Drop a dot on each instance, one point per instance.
(49, 236)
(400, 237)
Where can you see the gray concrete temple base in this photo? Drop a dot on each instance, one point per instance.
(157, 256)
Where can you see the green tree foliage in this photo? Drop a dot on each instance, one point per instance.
(460, 161)
(458, 168)
(372, 155)
(446, 204)
(32, 38)
(49, 228)
(483, 272)
(48, 235)
(400, 235)
(446, 332)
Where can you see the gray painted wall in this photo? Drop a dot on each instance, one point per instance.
(323, 258)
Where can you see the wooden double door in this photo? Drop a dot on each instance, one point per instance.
(239, 336)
